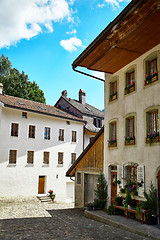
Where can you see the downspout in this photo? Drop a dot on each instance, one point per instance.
(86, 74)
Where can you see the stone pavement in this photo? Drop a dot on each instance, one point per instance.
(29, 219)
(64, 224)
(132, 225)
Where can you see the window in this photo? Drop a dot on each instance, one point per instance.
(32, 131)
(68, 122)
(131, 174)
(97, 122)
(47, 133)
(46, 158)
(152, 120)
(151, 71)
(78, 178)
(74, 136)
(113, 91)
(73, 157)
(130, 131)
(130, 82)
(30, 157)
(14, 129)
(61, 135)
(112, 134)
(24, 115)
(60, 158)
(12, 156)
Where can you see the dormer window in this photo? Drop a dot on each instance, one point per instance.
(97, 122)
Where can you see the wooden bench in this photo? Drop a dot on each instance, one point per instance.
(127, 210)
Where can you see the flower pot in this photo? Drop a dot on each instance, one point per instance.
(151, 220)
(90, 208)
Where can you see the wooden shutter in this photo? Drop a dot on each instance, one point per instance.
(119, 176)
(141, 177)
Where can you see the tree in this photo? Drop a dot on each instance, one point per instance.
(101, 192)
(17, 84)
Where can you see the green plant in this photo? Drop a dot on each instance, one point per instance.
(118, 182)
(125, 205)
(122, 190)
(52, 194)
(110, 210)
(138, 209)
(99, 204)
(151, 200)
(128, 197)
(119, 200)
(101, 191)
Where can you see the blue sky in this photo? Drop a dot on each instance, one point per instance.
(43, 38)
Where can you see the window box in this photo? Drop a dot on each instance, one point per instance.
(129, 141)
(151, 78)
(152, 138)
(113, 97)
(112, 143)
(129, 89)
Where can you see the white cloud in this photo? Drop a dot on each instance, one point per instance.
(71, 44)
(98, 74)
(74, 31)
(113, 3)
(24, 19)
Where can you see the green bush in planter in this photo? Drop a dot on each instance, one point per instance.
(110, 210)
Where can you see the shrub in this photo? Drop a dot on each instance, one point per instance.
(110, 210)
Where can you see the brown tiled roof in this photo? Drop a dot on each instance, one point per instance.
(27, 105)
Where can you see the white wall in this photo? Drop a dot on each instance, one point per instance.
(22, 179)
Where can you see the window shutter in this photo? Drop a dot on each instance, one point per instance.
(119, 176)
(140, 177)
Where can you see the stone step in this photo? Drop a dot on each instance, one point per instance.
(45, 199)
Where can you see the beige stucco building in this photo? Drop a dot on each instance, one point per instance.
(128, 51)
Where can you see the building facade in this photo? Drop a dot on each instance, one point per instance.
(38, 143)
(92, 116)
(128, 51)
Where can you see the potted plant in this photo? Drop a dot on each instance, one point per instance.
(89, 206)
(52, 195)
(128, 198)
(150, 206)
(119, 201)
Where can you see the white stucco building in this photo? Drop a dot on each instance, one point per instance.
(38, 143)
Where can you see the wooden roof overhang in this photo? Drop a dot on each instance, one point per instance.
(135, 31)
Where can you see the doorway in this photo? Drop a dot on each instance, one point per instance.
(113, 186)
(159, 190)
(90, 184)
(41, 185)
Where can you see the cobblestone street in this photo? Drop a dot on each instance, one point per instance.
(63, 224)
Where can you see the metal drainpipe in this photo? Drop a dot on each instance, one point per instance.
(86, 74)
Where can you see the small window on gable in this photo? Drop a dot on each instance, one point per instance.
(130, 131)
(152, 126)
(113, 91)
(151, 70)
(112, 134)
(78, 178)
(97, 122)
(24, 114)
(130, 81)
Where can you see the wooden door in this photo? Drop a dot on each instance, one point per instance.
(41, 184)
(159, 190)
(113, 186)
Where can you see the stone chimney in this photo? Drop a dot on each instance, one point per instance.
(64, 93)
(1, 88)
(82, 96)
